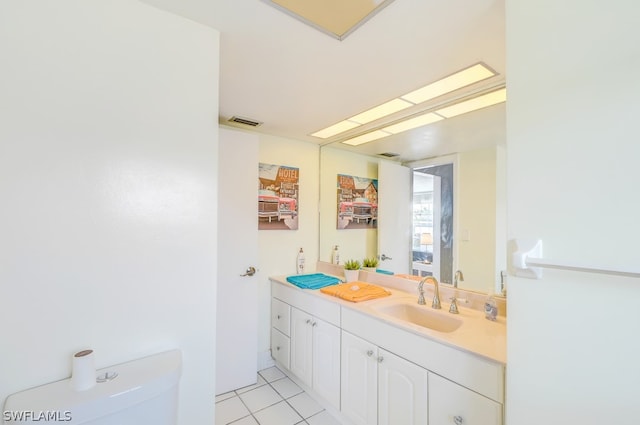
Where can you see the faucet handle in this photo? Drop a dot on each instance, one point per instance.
(453, 308)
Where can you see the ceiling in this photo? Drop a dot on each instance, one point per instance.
(297, 80)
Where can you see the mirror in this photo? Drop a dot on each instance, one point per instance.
(479, 216)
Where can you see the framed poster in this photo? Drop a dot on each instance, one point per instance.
(278, 195)
(357, 202)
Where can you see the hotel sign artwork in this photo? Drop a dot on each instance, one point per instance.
(278, 194)
(357, 202)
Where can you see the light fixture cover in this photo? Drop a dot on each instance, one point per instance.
(366, 138)
(474, 104)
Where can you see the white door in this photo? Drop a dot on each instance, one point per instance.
(394, 217)
(402, 395)
(237, 299)
(301, 345)
(326, 361)
(359, 380)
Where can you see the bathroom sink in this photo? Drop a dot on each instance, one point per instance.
(420, 315)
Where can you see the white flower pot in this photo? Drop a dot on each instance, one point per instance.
(351, 275)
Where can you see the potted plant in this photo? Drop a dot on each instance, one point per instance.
(351, 270)
(370, 264)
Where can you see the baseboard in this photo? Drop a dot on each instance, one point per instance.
(265, 360)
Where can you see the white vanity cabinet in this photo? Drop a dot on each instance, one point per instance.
(377, 373)
(313, 354)
(379, 387)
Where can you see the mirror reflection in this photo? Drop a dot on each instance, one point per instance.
(473, 236)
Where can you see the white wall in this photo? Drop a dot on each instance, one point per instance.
(354, 243)
(279, 248)
(572, 131)
(108, 149)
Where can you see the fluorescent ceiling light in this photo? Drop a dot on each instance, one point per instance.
(380, 111)
(448, 84)
(412, 123)
(476, 103)
(340, 127)
(366, 138)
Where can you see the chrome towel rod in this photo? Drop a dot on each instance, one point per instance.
(528, 262)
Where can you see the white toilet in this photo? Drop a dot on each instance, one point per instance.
(145, 391)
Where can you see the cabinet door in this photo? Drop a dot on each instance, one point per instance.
(452, 404)
(359, 380)
(326, 361)
(280, 347)
(402, 391)
(301, 345)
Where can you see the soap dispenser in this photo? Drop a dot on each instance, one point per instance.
(300, 262)
(335, 255)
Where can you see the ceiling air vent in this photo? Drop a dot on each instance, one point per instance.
(389, 154)
(245, 121)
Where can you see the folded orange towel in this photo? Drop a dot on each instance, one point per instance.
(355, 291)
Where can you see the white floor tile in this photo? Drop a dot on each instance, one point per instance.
(225, 396)
(305, 405)
(260, 398)
(286, 387)
(259, 383)
(272, 374)
(230, 410)
(323, 418)
(249, 420)
(278, 414)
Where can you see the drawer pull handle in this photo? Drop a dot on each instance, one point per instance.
(314, 324)
(380, 359)
(308, 321)
(458, 420)
(370, 353)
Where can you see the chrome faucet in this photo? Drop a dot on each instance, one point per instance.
(453, 308)
(457, 276)
(436, 295)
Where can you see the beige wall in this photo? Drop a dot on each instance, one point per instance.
(476, 212)
(278, 248)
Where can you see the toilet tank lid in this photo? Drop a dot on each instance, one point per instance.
(137, 381)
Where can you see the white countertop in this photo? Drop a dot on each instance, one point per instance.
(476, 335)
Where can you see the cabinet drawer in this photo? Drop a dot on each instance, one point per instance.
(280, 314)
(450, 403)
(280, 347)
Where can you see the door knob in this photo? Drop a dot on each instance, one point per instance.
(249, 272)
(384, 257)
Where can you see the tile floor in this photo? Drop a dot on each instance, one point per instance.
(273, 400)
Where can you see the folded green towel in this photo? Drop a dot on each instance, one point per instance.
(312, 281)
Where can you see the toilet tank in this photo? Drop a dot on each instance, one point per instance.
(145, 391)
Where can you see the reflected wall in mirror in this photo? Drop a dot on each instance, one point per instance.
(357, 243)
